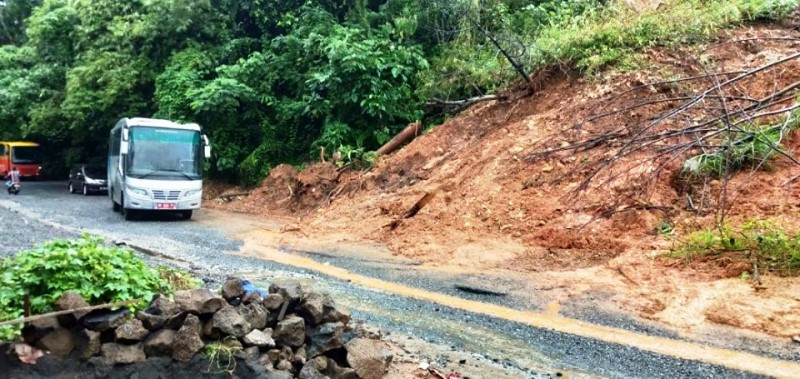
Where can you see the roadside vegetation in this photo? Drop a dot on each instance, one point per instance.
(767, 244)
(100, 273)
(285, 82)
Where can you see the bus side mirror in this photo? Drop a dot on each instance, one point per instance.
(123, 147)
(206, 147)
(125, 134)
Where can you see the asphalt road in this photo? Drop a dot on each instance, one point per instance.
(45, 210)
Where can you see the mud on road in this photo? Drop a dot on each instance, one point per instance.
(473, 343)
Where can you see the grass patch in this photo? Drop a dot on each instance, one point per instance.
(767, 243)
(177, 279)
(222, 355)
(746, 147)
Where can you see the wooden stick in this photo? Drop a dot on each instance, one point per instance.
(68, 311)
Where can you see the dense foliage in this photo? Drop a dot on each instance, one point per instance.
(99, 273)
(275, 81)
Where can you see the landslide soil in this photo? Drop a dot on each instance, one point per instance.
(500, 210)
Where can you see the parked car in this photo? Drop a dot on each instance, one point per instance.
(87, 179)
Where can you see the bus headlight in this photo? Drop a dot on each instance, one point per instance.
(192, 193)
(137, 191)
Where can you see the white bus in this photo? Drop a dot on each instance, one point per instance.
(156, 165)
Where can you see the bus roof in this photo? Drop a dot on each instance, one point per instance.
(20, 143)
(158, 123)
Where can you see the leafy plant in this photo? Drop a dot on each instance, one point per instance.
(178, 280)
(99, 273)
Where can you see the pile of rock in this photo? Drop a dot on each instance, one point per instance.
(292, 332)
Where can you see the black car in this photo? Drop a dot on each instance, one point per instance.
(88, 179)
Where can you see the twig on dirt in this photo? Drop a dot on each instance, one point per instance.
(232, 195)
(411, 212)
(68, 311)
(293, 228)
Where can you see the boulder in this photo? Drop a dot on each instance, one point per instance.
(278, 375)
(59, 342)
(199, 301)
(290, 332)
(230, 322)
(131, 331)
(300, 356)
(333, 370)
(273, 302)
(70, 300)
(369, 358)
(310, 307)
(35, 330)
(333, 312)
(259, 339)
(252, 297)
(310, 372)
(290, 290)
(283, 365)
(249, 354)
(114, 354)
(209, 331)
(187, 341)
(160, 343)
(256, 314)
(90, 344)
(162, 306)
(104, 319)
(232, 288)
(324, 338)
(175, 321)
(150, 321)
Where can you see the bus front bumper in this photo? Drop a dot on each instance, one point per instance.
(156, 205)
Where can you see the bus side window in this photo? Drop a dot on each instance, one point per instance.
(3, 150)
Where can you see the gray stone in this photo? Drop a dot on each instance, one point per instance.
(230, 322)
(290, 290)
(37, 329)
(187, 341)
(90, 344)
(70, 300)
(114, 353)
(162, 306)
(271, 357)
(324, 338)
(151, 322)
(209, 331)
(252, 297)
(279, 375)
(333, 312)
(284, 365)
(131, 331)
(370, 358)
(273, 302)
(175, 321)
(290, 332)
(310, 372)
(260, 339)
(59, 342)
(300, 356)
(310, 307)
(256, 314)
(199, 301)
(232, 288)
(104, 319)
(160, 343)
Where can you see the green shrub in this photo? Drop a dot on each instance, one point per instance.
(766, 242)
(99, 273)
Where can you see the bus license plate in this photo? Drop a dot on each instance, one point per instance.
(165, 206)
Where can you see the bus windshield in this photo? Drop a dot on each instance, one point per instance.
(164, 154)
(26, 154)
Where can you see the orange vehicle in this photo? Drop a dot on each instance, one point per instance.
(25, 156)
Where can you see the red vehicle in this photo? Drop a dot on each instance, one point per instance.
(25, 156)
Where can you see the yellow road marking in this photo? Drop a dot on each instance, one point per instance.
(679, 349)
